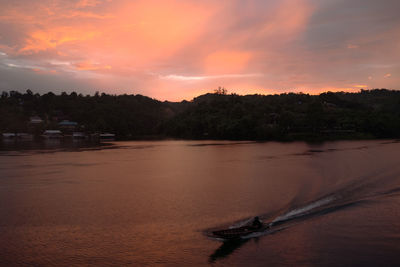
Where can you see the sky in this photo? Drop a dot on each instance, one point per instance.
(179, 49)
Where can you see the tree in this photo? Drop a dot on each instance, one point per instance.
(220, 91)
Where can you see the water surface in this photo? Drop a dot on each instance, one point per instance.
(147, 203)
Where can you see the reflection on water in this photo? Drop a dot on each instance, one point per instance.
(226, 249)
(148, 203)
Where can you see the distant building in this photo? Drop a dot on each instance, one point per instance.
(19, 136)
(25, 136)
(66, 124)
(35, 120)
(78, 135)
(52, 134)
(8, 135)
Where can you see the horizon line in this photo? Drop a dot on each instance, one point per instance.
(211, 92)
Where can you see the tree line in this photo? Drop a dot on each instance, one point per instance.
(219, 115)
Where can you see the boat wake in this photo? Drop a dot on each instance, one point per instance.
(350, 196)
(368, 183)
(303, 210)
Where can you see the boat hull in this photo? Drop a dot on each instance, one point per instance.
(237, 233)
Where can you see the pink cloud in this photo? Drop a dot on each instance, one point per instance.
(176, 49)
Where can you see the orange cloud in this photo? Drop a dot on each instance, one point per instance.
(156, 28)
(82, 14)
(87, 3)
(226, 62)
(52, 38)
(91, 66)
(364, 86)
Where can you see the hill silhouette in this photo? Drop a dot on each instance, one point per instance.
(290, 116)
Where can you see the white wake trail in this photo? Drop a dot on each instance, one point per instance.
(303, 210)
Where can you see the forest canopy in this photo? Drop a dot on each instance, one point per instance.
(290, 116)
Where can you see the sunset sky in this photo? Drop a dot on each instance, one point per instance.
(178, 49)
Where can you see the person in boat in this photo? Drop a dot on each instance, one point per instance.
(257, 222)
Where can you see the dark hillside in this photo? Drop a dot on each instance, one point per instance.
(366, 114)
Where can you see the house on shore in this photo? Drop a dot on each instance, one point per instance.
(17, 136)
(52, 134)
(79, 135)
(35, 120)
(25, 136)
(67, 125)
(9, 135)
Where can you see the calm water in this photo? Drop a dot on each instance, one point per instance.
(148, 203)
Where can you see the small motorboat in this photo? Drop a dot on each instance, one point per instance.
(239, 232)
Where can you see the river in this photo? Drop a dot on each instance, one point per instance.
(150, 203)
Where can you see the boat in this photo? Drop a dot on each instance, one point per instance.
(237, 233)
(240, 232)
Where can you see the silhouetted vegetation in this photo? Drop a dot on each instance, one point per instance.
(366, 114)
